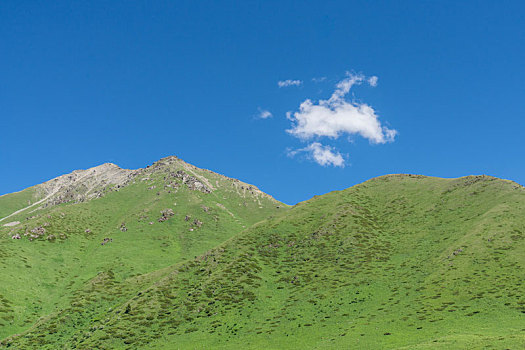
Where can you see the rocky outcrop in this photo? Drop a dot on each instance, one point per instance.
(83, 185)
(192, 182)
(166, 214)
(35, 232)
(106, 241)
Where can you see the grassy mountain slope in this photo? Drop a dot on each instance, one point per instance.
(9, 203)
(399, 261)
(110, 226)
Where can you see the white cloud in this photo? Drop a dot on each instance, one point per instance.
(318, 80)
(288, 82)
(322, 155)
(373, 81)
(336, 116)
(264, 114)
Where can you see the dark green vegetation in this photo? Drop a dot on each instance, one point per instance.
(399, 261)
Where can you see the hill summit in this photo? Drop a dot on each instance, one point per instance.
(84, 185)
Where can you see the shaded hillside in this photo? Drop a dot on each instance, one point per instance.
(400, 261)
(111, 224)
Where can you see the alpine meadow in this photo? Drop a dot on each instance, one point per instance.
(173, 256)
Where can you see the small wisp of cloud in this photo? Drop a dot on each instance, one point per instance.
(372, 81)
(322, 155)
(264, 114)
(289, 82)
(335, 117)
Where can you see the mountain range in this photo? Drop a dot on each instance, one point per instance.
(172, 256)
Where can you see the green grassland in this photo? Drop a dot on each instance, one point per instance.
(398, 262)
(51, 273)
(9, 203)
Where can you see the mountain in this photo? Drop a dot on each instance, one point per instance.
(60, 236)
(399, 261)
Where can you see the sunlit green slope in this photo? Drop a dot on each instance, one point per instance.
(12, 202)
(399, 261)
(93, 227)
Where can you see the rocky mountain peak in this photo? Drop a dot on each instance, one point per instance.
(81, 185)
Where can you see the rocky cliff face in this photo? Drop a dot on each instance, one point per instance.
(83, 185)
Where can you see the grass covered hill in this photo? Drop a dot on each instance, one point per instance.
(398, 262)
(69, 233)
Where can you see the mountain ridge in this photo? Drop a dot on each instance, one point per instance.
(398, 261)
(102, 178)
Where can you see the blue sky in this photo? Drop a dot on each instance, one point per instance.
(130, 82)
